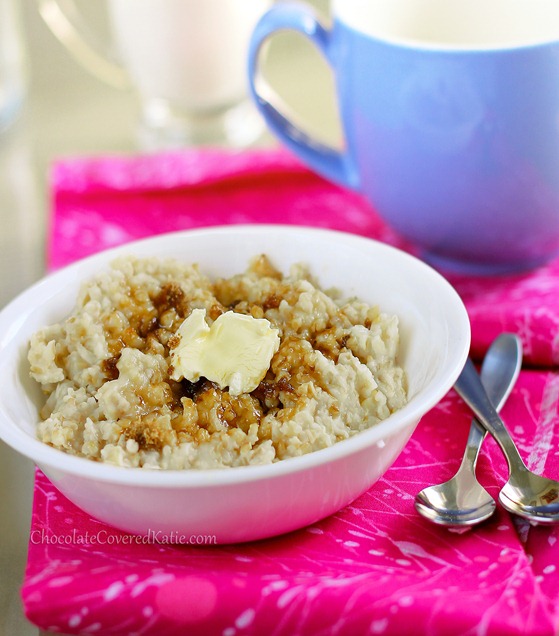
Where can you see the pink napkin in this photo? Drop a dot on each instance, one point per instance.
(375, 567)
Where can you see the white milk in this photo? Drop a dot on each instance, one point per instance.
(190, 53)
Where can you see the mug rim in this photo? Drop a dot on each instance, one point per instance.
(342, 13)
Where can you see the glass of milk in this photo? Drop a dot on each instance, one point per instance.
(186, 59)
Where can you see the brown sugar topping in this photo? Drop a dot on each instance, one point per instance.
(272, 302)
(147, 325)
(268, 392)
(171, 296)
(214, 405)
(186, 388)
(173, 343)
(215, 311)
(109, 367)
(262, 267)
(330, 342)
(148, 434)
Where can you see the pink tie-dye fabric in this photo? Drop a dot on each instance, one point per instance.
(375, 567)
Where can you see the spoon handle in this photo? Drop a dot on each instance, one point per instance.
(470, 389)
(499, 373)
(473, 446)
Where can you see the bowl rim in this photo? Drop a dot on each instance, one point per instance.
(48, 457)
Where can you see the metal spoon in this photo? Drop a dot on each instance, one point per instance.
(525, 494)
(462, 500)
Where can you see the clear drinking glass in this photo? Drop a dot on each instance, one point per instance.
(12, 63)
(185, 59)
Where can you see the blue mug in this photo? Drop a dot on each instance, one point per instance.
(450, 112)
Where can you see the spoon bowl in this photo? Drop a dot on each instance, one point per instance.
(454, 503)
(532, 497)
(462, 500)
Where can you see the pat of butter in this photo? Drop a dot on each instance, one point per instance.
(234, 352)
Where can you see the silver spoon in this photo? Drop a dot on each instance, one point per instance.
(462, 500)
(525, 494)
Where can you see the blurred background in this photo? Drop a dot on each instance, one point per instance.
(67, 112)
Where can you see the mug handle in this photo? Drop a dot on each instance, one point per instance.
(332, 164)
(65, 25)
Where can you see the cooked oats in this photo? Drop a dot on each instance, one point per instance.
(106, 369)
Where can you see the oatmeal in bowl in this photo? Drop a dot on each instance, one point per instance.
(159, 366)
(238, 399)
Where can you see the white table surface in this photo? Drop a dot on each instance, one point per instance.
(68, 112)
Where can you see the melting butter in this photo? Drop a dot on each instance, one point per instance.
(235, 352)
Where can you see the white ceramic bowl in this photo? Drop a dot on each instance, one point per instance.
(253, 502)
